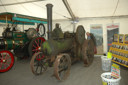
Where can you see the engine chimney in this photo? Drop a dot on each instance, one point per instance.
(49, 19)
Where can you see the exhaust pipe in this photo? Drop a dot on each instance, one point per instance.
(49, 19)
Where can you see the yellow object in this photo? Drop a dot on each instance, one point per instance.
(116, 66)
(109, 55)
(115, 70)
(119, 49)
(104, 83)
(119, 63)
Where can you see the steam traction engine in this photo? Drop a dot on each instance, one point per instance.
(61, 50)
(20, 42)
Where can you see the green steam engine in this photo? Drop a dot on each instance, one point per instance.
(19, 44)
(13, 40)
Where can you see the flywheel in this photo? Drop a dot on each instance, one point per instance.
(80, 34)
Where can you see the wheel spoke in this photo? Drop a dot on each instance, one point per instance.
(34, 46)
(41, 42)
(62, 66)
(4, 66)
(37, 68)
(34, 50)
(8, 57)
(1, 58)
(41, 69)
(39, 56)
(2, 55)
(44, 67)
(62, 69)
(5, 56)
(36, 57)
(65, 60)
(8, 60)
(42, 57)
(1, 65)
(36, 43)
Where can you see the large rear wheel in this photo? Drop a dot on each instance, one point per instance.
(88, 52)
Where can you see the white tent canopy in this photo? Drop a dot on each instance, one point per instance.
(80, 8)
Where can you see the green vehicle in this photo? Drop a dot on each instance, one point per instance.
(61, 50)
(20, 44)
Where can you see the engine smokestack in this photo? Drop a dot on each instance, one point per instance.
(49, 19)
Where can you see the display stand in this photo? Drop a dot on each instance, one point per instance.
(119, 49)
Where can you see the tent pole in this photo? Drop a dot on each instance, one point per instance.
(69, 9)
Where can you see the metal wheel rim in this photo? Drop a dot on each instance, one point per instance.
(6, 61)
(57, 69)
(36, 58)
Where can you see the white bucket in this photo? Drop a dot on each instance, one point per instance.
(106, 63)
(108, 80)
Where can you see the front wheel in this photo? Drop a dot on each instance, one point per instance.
(6, 60)
(62, 66)
(38, 63)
